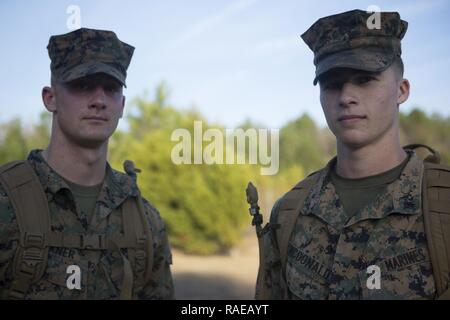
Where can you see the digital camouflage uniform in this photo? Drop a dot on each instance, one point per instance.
(328, 254)
(329, 251)
(73, 55)
(101, 271)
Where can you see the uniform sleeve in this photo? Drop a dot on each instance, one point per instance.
(9, 238)
(160, 286)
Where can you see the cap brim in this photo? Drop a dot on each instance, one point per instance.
(371, 59)
(87, 69)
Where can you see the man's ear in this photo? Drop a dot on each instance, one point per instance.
(403, 91)
(49, 98)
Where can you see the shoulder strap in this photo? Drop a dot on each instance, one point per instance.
(140, 219)
(136, 226)
(31, 208)
(289, 209)
(436, 210)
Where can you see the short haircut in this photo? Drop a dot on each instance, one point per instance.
(399, 67)
(53, 81)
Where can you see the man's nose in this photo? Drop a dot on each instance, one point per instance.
(98, 99)
(348, 95)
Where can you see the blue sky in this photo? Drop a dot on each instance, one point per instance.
(232, 60)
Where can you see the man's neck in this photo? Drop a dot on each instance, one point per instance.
(80, 165)
(369, 160)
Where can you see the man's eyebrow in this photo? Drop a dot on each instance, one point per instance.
(346, 76)
(112, 81)
(368, 73)
(332, 77)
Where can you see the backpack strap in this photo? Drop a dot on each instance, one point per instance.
(30, 205)
(436, 210)
(140, 221)
(136, 228)
(93, 241)
(289, 209)
(148, 234)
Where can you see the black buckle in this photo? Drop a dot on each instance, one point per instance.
(32, 255)
(141, 240)
(92, 241)
(36, 240)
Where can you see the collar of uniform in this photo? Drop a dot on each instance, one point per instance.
(121, 185)
(402, 196)
(323, 201)
(49, 179)
(116, 189)
(118, 185)
(407, 190)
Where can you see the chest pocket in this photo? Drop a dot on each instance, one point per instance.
(305, 276)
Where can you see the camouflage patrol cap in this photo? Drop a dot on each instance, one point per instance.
(87, 51)
(345, 41)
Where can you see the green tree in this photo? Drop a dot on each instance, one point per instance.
(303, 143)
(434, 130)
(13, 144)
(16, 141)
(203, 205)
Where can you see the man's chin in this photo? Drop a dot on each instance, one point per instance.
(352, 141)
(93, 142)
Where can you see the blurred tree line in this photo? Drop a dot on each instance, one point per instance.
(204, 206)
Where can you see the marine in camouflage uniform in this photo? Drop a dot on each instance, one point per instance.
(81, 53)
(101, 272)
(333, 243)
(329, 252)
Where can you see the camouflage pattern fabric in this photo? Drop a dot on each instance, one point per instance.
(87, 51)
(345, 41)
(102, 271)
(328, 254)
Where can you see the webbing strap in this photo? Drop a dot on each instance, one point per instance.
(287, 217)
(92, 241)
(129, 228)
(22, 280)
(290, 207)
(27, 198)
(31, 208)
(149, 239)
(126, 290)
(439, 182)
(441, 206)
(437, 229)
(445, 295)
(136, 225)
